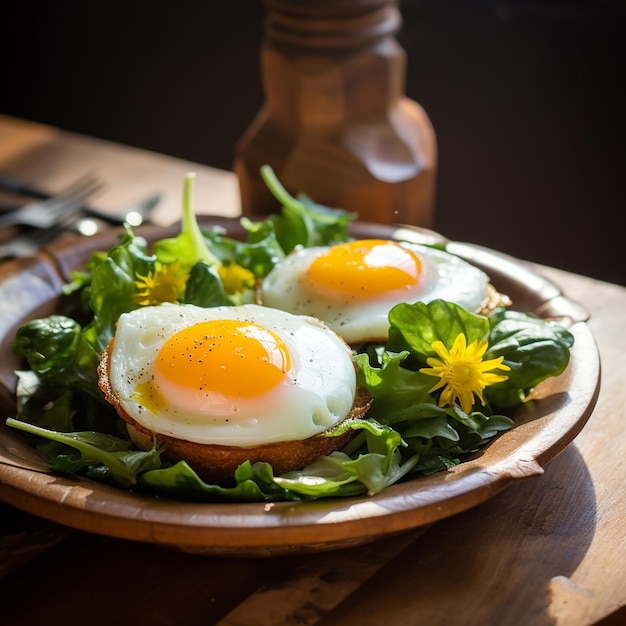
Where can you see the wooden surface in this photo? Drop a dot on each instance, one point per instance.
(548, 550)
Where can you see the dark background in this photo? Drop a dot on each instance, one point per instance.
(527, 99)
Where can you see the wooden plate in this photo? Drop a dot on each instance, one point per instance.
(560, 407)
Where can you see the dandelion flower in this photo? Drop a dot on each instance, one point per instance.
(235, 278)
(462, 373)
(165, 284)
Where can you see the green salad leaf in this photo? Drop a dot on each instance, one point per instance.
(302, 221)
(190, 246)
(532, 347)
(439, 384)
(104, 455)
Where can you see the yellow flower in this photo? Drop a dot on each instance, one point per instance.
(462, 372)
(235, 278)
(165, 284)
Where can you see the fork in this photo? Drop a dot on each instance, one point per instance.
(45, 213)
(28, 243)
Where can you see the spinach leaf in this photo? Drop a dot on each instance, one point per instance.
(533, 348)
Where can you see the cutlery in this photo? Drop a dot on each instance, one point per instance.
(8, 183)
(135, 216)
(44, 213)
(28, 243)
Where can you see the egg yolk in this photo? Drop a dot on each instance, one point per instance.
(366, 268)
(223, 358)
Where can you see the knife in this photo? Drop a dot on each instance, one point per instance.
(9, 183)
(135, 215)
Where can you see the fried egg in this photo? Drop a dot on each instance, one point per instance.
(353, 286)
(232, 376)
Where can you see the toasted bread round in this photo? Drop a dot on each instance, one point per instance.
(493, 300)
(217, 463)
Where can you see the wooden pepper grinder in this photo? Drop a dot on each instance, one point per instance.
(335, 124)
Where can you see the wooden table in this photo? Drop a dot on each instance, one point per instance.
(550, 549)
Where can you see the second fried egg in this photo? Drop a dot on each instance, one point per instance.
(353, 286)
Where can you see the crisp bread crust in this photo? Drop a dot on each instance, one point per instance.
(217, 463)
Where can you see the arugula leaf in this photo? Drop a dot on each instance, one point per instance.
(180, 481)
(303, 222)
(113, 289)
(352, 472)
(399, 393)
(93, 448)
(258, 253)
(108, 457)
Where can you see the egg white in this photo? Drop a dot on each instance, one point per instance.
(318, 392)
(443, 275)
